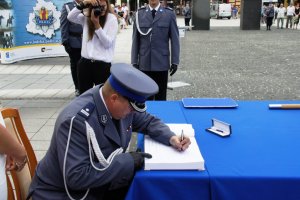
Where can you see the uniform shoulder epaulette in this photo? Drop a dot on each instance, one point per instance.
(168, 8)
(86, 111)
(142, 8)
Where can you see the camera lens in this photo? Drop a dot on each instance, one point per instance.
(98, 10)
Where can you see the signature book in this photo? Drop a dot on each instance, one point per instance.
(167, 158)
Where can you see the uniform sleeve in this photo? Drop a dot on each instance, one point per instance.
(76, 16)
(64, 25)
(135, 44)
(108, 37)
(152, 126)
(174, 37)
(79, 173)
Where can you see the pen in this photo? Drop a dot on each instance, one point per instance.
(284, 106)
(182, 136)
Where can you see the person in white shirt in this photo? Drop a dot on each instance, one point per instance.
(126, 13)
(280, 15)
(100, 28)
(290, 10)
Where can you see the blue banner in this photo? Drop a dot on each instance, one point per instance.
(29, 23)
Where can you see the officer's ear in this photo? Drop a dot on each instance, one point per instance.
(114, 97)
(111, 101)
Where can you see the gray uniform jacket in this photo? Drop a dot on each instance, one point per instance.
(71, 33)
(151, 52)
(80, 174)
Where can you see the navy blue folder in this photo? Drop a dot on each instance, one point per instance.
(209, 103)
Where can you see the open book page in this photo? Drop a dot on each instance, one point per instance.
(167, 158)
(187, 129)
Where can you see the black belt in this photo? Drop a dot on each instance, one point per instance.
(75, 34)
(92, 60)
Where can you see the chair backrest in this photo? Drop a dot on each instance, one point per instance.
(13, 187)
(20, 180)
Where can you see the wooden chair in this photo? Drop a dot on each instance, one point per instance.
(19, 181)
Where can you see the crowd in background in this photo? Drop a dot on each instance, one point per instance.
(277, 13)
(123, 15)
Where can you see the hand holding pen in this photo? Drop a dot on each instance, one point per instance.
(181, 142)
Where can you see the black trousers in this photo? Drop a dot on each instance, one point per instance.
(91, 72)
(187, 21)
(74, 55)
(269, 22)
(161, 78)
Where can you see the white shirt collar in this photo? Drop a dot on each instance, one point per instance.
(156, 8)
(101, 95)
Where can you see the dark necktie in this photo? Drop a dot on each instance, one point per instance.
(153, 13)
(116, 123)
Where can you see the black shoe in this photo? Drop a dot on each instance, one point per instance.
(77, 93)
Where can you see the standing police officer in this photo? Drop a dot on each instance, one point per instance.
(71, 36)
(154, 27)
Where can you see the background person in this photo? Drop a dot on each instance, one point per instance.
(296, 17)
(290, 11)
(98, 42)
(275, 11)
(235, 12)
(155, 28)
(71, 37)
(263, 14)
(280, 15)
(126, 13)
(270, 16)
(187, 13)
(103, 117)
(12, 157)
(121, 18)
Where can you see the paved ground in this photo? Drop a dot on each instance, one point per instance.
(221, 62)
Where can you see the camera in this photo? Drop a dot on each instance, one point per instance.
(98, 10)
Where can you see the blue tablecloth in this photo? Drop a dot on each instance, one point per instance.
(260, 160)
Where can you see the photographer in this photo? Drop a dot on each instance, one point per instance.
(100, 29)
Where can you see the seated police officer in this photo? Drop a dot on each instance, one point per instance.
(86, 158)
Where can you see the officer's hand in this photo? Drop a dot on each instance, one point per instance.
(179, 143)
(138, 158)
(173, 69)
(95, 20)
